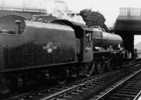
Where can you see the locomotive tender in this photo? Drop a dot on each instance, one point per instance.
(34, 49)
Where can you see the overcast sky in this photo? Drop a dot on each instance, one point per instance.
(109, 8)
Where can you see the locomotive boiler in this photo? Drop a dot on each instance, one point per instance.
(104, 39)
(46, 50)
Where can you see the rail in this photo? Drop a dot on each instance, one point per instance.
(115, 86)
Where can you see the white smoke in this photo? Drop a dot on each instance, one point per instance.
(57, 8)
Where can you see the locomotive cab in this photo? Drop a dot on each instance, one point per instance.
(88, 45)
(84, 35)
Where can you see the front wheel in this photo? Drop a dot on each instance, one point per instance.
(100, 68)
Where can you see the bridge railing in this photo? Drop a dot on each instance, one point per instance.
(130, 12)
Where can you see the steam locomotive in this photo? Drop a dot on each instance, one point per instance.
(58, 49)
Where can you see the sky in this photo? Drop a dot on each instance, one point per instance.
(137, 39)
(109, 8)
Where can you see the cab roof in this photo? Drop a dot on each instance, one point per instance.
(78, 27)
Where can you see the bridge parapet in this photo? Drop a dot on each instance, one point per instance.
(129, 19)
(130, 12)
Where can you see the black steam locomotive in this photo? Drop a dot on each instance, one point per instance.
(58, 49)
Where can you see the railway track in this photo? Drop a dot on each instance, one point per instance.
(74, 87)
(78, 90)
(129, 88)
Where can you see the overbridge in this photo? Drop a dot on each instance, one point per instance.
(127, 25)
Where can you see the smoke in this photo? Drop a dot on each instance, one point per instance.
(57, 8)
(35, 4)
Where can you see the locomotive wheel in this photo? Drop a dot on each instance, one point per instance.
(59, 74)
(77, 70)
(92, 69)
(11, 82)
(100, 68)
(108, 66)
(4, 89)
(84, 70)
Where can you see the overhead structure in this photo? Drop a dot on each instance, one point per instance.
(127, 25)
(129, 19)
